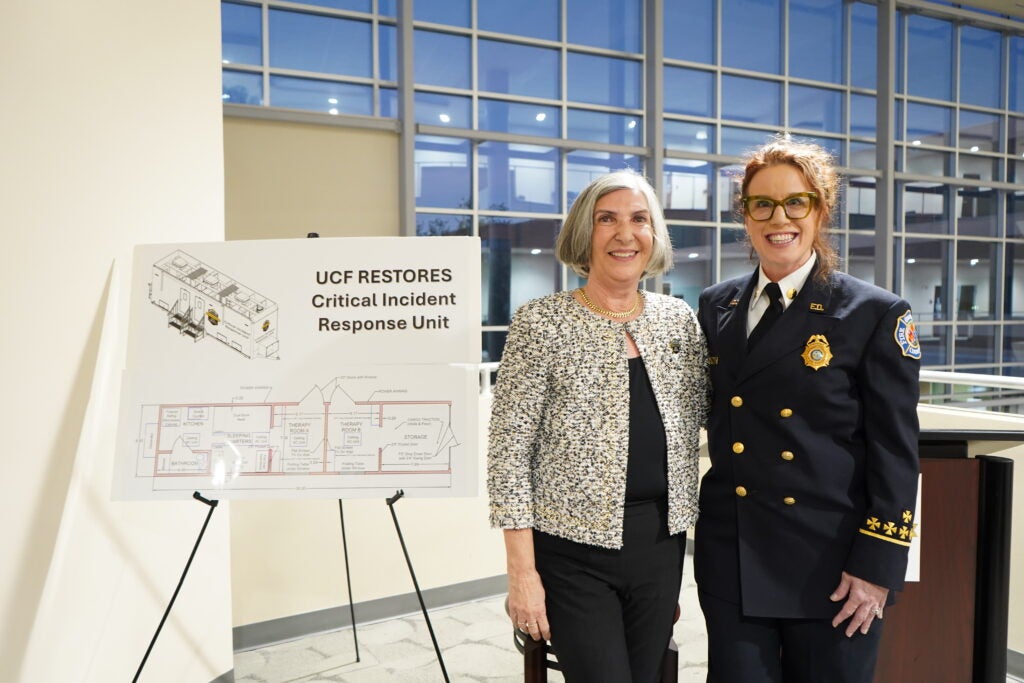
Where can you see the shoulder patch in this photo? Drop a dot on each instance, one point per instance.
(906, 336)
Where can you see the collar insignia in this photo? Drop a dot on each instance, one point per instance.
(817, 308)
(734, 303)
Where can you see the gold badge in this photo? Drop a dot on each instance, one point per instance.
(816, 353)
(712, 360)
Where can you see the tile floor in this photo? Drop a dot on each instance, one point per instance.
(475, 639)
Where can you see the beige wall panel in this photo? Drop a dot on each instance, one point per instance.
(287, 179)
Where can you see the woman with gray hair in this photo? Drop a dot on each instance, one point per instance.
(592, 461)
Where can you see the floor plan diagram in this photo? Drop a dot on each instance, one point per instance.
(388, 437)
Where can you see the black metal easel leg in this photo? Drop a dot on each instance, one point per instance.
(212, 505)
(391, 505)
(348, 578)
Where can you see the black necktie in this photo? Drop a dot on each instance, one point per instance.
(771, 314)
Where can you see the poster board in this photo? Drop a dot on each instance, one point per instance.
(310, 368)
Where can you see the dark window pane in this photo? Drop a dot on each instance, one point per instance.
(323, 96)
(520, 118)
(1015, 218)
(688, 91)
(924, 208)
(752, 35)
(611, 24)
(979, 131)
(815, 108)
(860, 203)
(926, 273)
(689, 30)
(1013, 308)
(978, 209)
(604, 80)
(240, 34)
(584, 167)
(308, 42)
(863, 115)
(975, 343)
(436, 109)
(515, 177)
(442, 59)
(694, 257)
(929, 57)
(751, 100)
(451, 12)
(241, 88)
(1013, 348)
(1016, 101)
(976, 268)
(863, 46)
(517, 264)
(1015, 142)
(738, 141)
(929, 125)
(687, 194)
(596, 126)
(861, 260)
(816, 40)
(492, 345)
(442, 173)
(689, 137)
(518, 69)
(443, 224)
(533, 18)
(388, 52)
(354, 5)
(980, 66)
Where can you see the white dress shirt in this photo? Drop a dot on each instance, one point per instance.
(790, 286)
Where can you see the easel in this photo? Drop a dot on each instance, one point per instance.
(212, 505)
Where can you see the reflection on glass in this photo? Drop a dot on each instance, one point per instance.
(861, 260)
(689, 91)
(981, 72)
(435, 109)
(860, 203)
(1013, 346)
(976, 280)
(689, 137)
(727, 191)
(689, 30)
(1013, 282)
(442, 172)
(752, 35)
(924, 208)
(739, 141)
(687, 190)
(521, 119)
(596, 126)
(929, 57)
(815, 108)
(979, 131)
(515, 177)
(310, 42)
(238, 87)
(1016, 102)
(518, 69)
(1015, 143)
(977, 210)
(611, 24)
(863, 45)
(863, 155)
(517, 264)
(694, 258)
(926, 272)
(975, 344)
(863, 115)
(442, 59)
(1015, 216)
(584, 167)
(929, 125)
(388, 102)
(604, 80)
(533, 18)
(443, 224)
(354, 5)
(928, 162)
(816, 40)
(450, 12)
(737, 256)
(240, 34)
(978, 167)
(387, 52)
(323, 96)
(751, 100)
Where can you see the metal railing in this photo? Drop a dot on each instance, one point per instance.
(996, 393)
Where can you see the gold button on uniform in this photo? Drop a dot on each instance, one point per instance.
(785, 412)
(740, 491)
(787, 455)
(737, 447)
(789, 500)
(736, 401)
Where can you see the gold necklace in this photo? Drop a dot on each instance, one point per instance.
(604, 311)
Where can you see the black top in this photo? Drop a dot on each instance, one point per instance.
(647, 470)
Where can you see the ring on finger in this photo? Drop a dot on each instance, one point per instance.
(877, 611)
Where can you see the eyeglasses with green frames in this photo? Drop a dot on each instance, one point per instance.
(795, 206)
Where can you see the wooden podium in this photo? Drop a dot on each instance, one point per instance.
(952, 625)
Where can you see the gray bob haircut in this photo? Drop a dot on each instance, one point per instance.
(576, 237)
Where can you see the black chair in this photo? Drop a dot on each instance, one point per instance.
(538, 658)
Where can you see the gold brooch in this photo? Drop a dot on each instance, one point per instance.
(817, 353)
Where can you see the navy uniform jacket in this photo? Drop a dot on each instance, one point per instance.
(813, 445)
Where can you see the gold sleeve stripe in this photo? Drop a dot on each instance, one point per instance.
(884, 537)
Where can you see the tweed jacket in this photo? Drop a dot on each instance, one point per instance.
(559, 430)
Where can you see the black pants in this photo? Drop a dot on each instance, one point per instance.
(611, 611)
(762, 650)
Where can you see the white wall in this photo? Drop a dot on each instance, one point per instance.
(111, 137)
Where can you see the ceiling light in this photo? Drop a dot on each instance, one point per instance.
(916, 142)
(974, 261)
(332, 100)
(332, 111)
(692, 254)
(974, 148)
(225, 96)
(444, 118)
(632, 123)
(225, 61)
(535, 251)
(702, 135)
(541, 116)
(911, 261)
